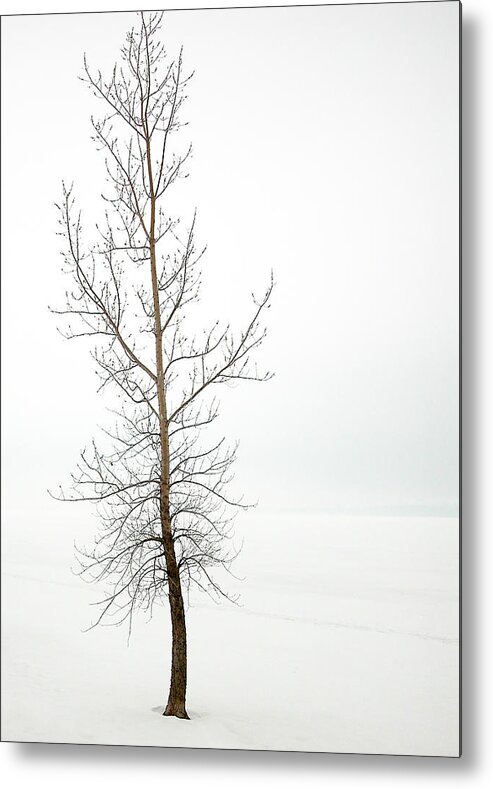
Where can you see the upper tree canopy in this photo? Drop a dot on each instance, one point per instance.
(131, 282)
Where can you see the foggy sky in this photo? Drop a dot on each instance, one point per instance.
(326, 148)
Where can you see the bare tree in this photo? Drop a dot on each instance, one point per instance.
(162, 495)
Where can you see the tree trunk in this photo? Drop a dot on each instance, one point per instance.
(178, 684)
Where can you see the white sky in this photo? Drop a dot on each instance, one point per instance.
(325, 146)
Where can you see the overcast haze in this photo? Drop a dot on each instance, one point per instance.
(325, 147)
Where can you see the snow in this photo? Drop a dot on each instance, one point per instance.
(346, 641)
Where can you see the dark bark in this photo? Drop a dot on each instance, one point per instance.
(178, 685)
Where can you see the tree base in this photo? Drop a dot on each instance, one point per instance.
(176, 712)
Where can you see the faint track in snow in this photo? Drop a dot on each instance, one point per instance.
(280, 617)
(340, 625)
(34, 579)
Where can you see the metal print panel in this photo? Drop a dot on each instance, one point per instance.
(230, 264)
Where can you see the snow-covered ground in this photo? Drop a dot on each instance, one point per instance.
(346, 640)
